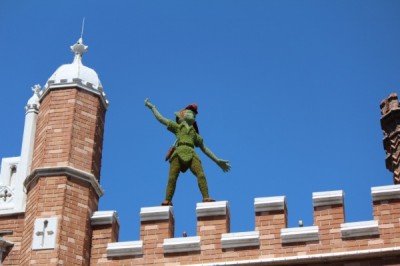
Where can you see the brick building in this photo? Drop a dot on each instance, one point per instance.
(49, 200)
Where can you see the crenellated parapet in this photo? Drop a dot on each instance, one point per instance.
(330, 238)
(390, 123)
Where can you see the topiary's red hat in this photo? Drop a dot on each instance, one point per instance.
(192, 107)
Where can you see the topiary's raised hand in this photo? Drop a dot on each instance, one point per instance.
(225, 166)
(157, 114)
(148, 103)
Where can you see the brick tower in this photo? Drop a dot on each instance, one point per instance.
(390, 121)
(63, 187)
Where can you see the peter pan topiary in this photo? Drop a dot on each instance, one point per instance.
(183, 156)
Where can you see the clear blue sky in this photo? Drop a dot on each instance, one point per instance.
(288, 92)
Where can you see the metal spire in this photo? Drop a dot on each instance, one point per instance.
(79, 48)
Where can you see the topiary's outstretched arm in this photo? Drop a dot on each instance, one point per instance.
(156, 113)
(223, 164)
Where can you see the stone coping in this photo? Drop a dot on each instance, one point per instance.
(242, 239)
(299, 234)
(269, 204)
(122, 249)
(156, 213)
(217, 208)
(359, 229)
(385, 192)
(104, 217)
(69, 171)
(76, 82)
(327, 198)
(182, 244)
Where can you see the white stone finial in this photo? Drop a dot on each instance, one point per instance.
(36, 89)
(33, 103)
(79, 49)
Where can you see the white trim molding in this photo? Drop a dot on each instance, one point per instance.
(358, 229)
(300, 234)
(385, 192)
(104, 217)
(77, 83)
(242, 239)
(217, 208)
(123, 249)
(182, 244)
(269, 204)
(67, 171)
(327, 198)
(156, 213)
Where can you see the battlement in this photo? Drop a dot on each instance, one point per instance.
(330, 238)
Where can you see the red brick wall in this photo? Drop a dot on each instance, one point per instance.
(329, 218)
(270, 224)
(330, 249)
(70, 131)
(72, 203)
(153, 234)
(101, 236)
(16, 224)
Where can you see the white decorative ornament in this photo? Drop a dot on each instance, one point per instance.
(6, 195)
(44, 233)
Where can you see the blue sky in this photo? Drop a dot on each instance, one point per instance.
(288, 92)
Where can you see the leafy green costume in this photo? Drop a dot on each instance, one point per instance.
(186, 139)
(184, 157)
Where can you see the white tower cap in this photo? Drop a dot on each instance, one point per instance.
(76, 74)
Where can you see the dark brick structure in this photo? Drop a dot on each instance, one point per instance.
(390, 123)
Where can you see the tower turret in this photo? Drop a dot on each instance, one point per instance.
(63, 188)
(14, 170)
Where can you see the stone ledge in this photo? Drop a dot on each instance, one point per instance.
(204, 209)
(270, 204)
(156, 213)
(69, 171)
(242, 239)
(300, 234)
(122, 249)
(104, 217)
(4, 244)
(182, 244)
(385, 192)
(327, 198)
(358, 229)
(76, 82)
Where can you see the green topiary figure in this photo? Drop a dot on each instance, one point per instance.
(182, 156)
